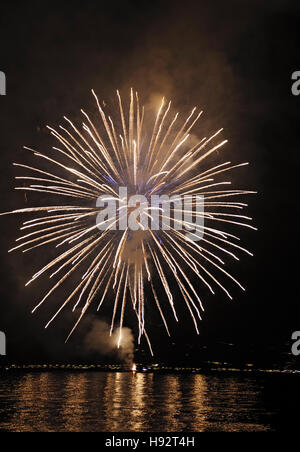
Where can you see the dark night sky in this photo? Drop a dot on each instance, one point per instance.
(234, 60)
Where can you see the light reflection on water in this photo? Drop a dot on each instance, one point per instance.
(112, 402)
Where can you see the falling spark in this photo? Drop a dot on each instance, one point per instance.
(93, 162)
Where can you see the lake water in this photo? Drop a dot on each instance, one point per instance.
(126, 402)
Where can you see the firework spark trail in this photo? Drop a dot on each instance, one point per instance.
(96, 161)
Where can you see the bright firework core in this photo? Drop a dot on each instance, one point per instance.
(91, 166)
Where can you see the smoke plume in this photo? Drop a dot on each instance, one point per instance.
(98, 340)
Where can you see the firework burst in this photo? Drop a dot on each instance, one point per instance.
(94, 161)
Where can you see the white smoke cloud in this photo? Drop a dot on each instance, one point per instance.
(98, 339)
